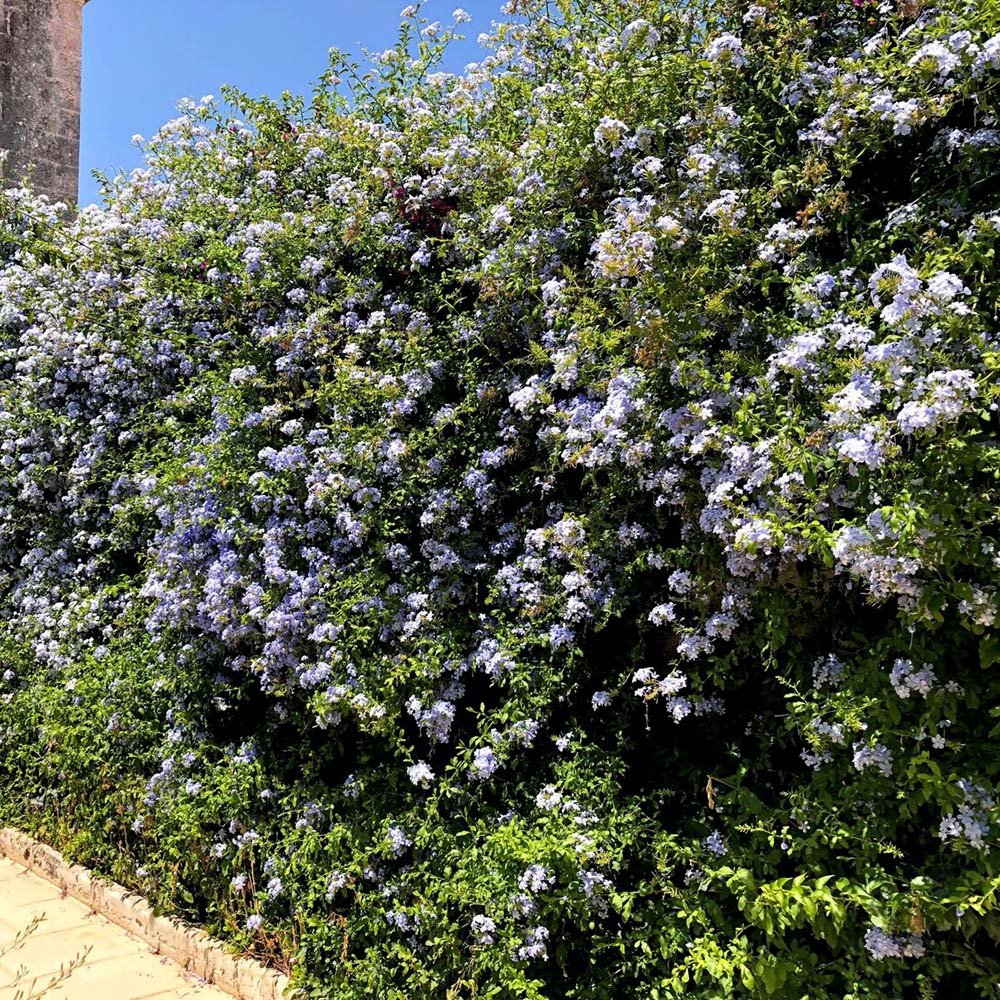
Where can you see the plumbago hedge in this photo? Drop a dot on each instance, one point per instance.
(532, 533)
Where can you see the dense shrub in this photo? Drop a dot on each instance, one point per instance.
(532, 533)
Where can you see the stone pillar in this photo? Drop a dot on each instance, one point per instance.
(40, 56)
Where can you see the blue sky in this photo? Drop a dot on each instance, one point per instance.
(141, 56)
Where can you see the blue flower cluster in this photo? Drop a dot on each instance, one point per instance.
(531, 529)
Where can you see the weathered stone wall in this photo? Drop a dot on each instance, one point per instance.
(40, 53)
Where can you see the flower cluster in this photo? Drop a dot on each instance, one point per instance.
(534, 525)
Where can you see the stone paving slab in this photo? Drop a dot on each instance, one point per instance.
(117, 967)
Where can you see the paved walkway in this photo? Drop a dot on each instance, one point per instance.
(116, 967)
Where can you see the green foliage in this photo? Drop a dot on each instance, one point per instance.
(531, 533)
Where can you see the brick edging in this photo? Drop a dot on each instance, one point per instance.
(187, 945)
